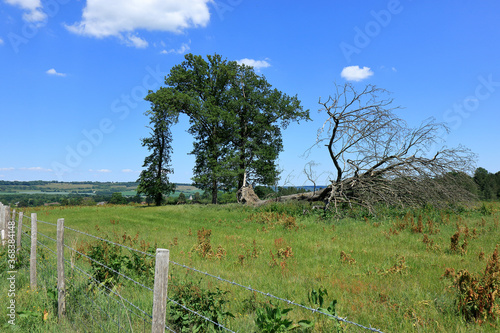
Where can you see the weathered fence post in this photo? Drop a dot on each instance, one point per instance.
(34, 233)
(160, 291)
(6, 221)
(3, 225)
(4, 218)
(61, 285)
(19, 231)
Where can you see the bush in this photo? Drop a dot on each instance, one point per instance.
(181, 199)
(476, 295)
(271, 319)
(207, 303)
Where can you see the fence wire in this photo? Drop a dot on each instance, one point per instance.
(98, 283)
(249, 288)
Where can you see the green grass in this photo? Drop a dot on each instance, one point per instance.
(377, 288)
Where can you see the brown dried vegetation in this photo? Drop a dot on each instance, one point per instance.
(477, 295)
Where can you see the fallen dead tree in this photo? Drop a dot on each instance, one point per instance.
(378, 159)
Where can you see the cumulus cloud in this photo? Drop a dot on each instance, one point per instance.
(355, 73)
(257, 64)
(181, 50)
(33, 9)
(52, 71)
(104, 18)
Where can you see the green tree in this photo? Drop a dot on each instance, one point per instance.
(236, 119)
(153, 181)
(259, 114)
(487, 183)
(182, 198)
(118, 199)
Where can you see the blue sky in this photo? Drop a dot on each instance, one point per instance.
(73, 74)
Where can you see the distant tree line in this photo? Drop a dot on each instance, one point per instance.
(488, 184)
(74, 187)
(33, 200)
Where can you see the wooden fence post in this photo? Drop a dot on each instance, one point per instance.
(2, 224)
(6, 220)
(160, 291)
(61, 285)
(34, 233)
(19, 231)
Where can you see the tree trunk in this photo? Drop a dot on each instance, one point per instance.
(246, 195)
(214, 192)
(158, 199)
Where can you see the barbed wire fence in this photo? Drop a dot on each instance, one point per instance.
(100, 298)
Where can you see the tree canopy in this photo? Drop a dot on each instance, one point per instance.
(153, 181)
(236, 119)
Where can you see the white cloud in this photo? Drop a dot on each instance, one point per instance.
(181, 50)
(103, 170)
(6, 169)
(257, 64)
(36, 169)
(33, 7)
(127, 170)
(104, 18)
(354, 73)
(52, 71)
(136, 41)
(1, 41)
(394, 69)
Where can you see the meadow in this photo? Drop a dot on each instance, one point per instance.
(393, 272)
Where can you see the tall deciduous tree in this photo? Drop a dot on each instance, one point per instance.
(260, 113)
(153, 181)
(236, 119)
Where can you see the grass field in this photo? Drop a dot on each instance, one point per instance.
(386, 272)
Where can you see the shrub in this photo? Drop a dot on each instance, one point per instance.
(316, 299)
(271, 319)
(204, 247)
(207, 303)
(111, 255)
(477, 295)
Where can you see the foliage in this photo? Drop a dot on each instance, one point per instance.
(488, 184)
(204, 247)
(234, 117)
(118, 199)
(207, 303)
(153, 181)
(112, 256)
(477, 296)
(317, 298)
(181, 199)
(271, 319)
